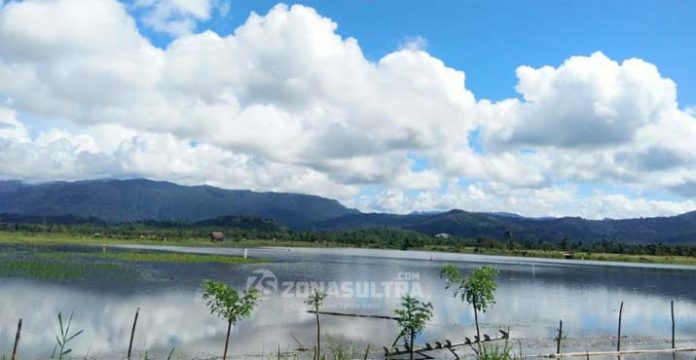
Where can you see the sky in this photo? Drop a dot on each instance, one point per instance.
(542, 108)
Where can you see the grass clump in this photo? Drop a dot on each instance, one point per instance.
(497, 352)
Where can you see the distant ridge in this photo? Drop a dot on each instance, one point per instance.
(122, 201)
(674, 229)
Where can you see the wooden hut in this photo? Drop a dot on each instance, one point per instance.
(217, 236)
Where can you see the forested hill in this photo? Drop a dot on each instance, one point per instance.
(675, 229)
(120, 201)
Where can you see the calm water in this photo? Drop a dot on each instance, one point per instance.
(533, 295)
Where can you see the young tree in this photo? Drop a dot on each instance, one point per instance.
(412, 317)
(225, 302)
(315, 301)
(478, 289)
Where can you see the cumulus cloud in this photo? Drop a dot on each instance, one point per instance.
(286, 103)
(284, 87)
(587, 101)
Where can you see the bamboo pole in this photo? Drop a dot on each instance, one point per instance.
(130, 343)
(16, 342)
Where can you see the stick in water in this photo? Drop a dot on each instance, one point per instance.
(674, 355)
(16, 343)
(560, 336)
(618, 340)
(130, 343)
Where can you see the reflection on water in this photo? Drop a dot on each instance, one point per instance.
(532, 297)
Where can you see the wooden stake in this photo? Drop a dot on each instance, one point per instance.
(618, 340)
(16, 342)
(673, 327)
(560, 336)
(130, 343)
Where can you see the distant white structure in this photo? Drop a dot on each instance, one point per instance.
(442, 236)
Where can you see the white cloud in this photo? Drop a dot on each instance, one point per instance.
(175, 17)
(414, 43)
(10, 128)
(285, 103)
(587, 101)
(691, 110)
(284, 87)
(556, 201)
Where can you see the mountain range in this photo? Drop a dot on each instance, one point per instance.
(121, 201)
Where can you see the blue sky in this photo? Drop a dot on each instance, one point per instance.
(540, 107)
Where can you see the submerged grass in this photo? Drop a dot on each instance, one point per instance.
(37, 269)
(176, 257)
(49, 263)
(148, 256)
(48, 239)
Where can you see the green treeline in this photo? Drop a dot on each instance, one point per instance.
(243, 228)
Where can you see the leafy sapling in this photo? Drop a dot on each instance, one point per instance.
(225, 302)
(315, 301)
(478, 290)
(412, 316)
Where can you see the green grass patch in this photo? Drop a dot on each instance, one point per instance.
(181, 258)
(38, 269)
(148, 256)
(51, 239)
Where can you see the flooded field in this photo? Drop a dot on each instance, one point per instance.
(104, 292)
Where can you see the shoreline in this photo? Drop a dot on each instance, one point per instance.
(52, 239)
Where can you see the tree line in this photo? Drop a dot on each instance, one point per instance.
(239, 228)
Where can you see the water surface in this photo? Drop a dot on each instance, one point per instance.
(533, 295)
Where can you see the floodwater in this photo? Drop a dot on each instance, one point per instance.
(533, 295)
